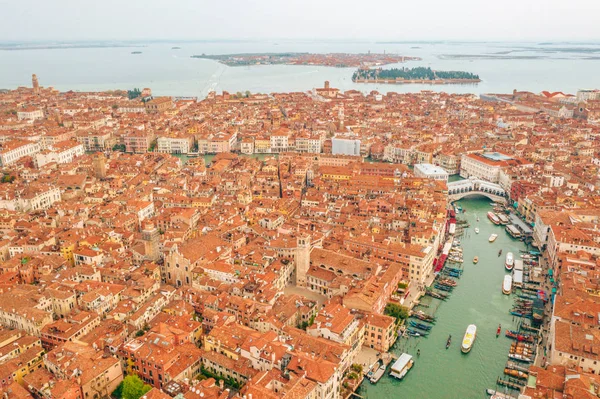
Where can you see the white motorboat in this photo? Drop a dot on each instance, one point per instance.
(510, 261)
(507, 284)
(469, 338)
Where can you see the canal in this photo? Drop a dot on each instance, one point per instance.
(441, 373)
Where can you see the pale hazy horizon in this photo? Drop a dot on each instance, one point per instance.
(384, 20)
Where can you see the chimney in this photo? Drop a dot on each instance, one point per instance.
(221, 385)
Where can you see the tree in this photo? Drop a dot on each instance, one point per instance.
(398, 311)
(119, 147)
(135, 93)
(357, 368)
(134, 387)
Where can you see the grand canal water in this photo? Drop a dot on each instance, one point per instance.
(449, 374)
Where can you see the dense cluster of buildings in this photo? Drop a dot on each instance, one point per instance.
(267, 273)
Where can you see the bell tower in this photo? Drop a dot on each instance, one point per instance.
(151, 238)
(302, 258)
(35, 84)
(99, 163)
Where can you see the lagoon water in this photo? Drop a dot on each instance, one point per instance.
(502, 67)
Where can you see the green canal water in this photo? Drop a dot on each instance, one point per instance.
(449, 374)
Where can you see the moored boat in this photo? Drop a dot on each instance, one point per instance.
(469, 338)
(476, 259)
(510, 261)
(507, 284)
(500, 252)
(520, 358)
(493, 237)
(519, 337)
(498, 395)
(378, 373)
(415, 333)
(449, 341)
(424, 316)
(420, 326)
(503, 219)
(493, 218)
(476, 230)
(402, 366)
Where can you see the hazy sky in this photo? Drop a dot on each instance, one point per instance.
(517, 20)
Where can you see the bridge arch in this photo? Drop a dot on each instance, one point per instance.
(477, 193)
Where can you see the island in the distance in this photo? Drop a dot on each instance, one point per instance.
(413, 75)
(339, 60)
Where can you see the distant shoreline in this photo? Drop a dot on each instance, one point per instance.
(66, 46)
(420, 81)
(337, 60)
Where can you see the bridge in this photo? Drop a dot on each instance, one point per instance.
(473, 187)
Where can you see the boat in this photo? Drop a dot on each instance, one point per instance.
(424, 316)
(507, 284)
(443, 287)
(498, 395)
(520, 358)
(500, 252)
(449, 341)
(469, 338)
(493, 218)
(378, 373)
(515, 373)
(414, 333)
(420, 326)
(493, 237)
(448, 282)
(402, 366)
(510, 261)
(476, 259)
(476, 230)
(499, 330)
(503, 219)
(513, 231)
(519, 337)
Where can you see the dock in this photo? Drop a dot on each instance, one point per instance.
(511, 383)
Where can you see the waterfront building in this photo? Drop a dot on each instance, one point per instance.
(379, 331)
(96, 140)
(175, 144)
(430, 171)
(15, 150)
